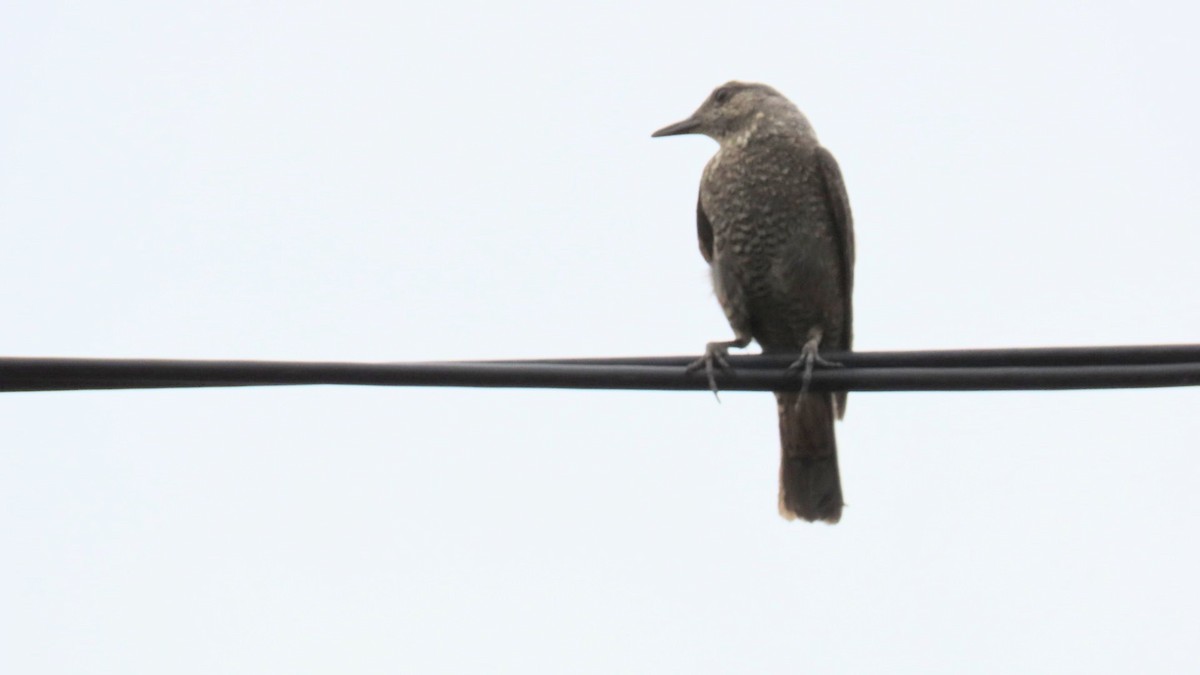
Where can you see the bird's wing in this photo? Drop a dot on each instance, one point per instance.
(704, 232)
(843, 222)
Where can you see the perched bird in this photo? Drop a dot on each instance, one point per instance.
(775, 227)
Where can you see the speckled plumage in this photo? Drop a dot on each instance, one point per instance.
(774, 223)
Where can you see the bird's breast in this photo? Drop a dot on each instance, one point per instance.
(773, 238)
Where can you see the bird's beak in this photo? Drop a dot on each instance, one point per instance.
(689, 126)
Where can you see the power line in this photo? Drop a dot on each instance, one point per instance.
(952, 370)
(1035, 356)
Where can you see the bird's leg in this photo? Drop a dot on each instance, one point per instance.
(809, 356)
(716, 357)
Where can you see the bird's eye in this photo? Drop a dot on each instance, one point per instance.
(722, 95)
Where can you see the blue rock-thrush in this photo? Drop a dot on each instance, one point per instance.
(774, 225)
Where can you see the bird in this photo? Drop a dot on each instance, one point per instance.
(774, 224)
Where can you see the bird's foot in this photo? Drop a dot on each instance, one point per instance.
(809, 357)
(716, 357)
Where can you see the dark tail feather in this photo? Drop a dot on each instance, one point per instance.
(809, 485)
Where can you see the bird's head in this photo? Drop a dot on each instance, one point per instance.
(732, 109)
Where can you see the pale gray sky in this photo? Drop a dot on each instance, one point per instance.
(395, 181)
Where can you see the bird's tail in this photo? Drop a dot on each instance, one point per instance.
(809, 485)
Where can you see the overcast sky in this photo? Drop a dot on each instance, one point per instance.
(397, 181)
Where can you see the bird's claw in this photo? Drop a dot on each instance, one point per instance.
(809, 357)
(715, 358)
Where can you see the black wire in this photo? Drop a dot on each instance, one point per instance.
(959, 370)
(952, 358)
